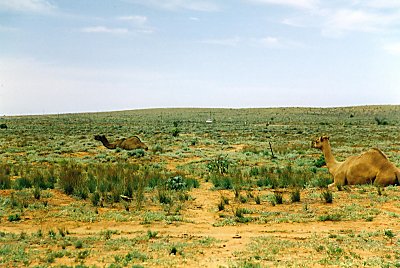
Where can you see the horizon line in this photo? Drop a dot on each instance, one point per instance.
(194, 107)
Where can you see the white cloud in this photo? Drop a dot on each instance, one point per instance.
(27, 6)
(7, 29)
(351, 20)
(393, 48)
(294, 22)
(139, 20)
(137, 23)
(383, 4)
(302, 4)
(270, 41)
(338, 19)
(195, 5)
(347, 20)
(273, 42)
(103, 29)
(231, 42)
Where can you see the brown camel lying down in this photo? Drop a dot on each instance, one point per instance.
(369, 167)
(131, 143)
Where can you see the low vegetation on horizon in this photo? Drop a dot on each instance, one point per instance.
(65, 199)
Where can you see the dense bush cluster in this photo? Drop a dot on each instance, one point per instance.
(272, 177)
(102, 183)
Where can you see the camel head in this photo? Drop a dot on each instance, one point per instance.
(319, 142)
(99, 137)
(144, 146)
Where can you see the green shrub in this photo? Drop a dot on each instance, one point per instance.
(239, 212)
(175, 132)
(129, 188)
(278, 198)
(52, 234)
(289, 177)
(158, 149)
(91, 183)
(116, 195)
(254, 171)
(95, 199)
(192, 183)
(327, 196)
(389, 234)
(22, 183)
(242, 199)
(176, 183)
(267, 182)
(295, 196)
(37, 193)
(151, 234)
(79, 244)
(381, 121)
(39, 180)
(321, 182)
(71, 177)
(82, 192)
(14, 217)
(5, 181)
(320, 162)
(13, 201)
(164, 197)
(247, 264)
(83, 255)
(136, 153)
(173, 251)
(183, 196)
(330, 217)
(193, 142)
(135, 255)
(219, 165)
(222, 182)
(62, 232)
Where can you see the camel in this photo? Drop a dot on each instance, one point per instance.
(131, 143)
(372, 166)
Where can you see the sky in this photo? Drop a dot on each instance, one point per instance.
(67, 56)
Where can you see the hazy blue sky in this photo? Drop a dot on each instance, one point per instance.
(60, 56)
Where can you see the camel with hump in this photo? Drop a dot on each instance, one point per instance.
(372, 166)
(131, 143)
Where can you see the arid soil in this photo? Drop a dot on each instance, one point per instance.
(231, 244)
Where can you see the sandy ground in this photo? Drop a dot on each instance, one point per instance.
(200, 214)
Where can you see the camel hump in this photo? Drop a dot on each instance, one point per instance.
(380, 152)
(136, 137)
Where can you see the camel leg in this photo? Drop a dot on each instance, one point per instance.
(339, 179)
(385, 178)
(331, 186)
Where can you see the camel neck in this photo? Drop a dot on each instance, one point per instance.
(107, 144)
(329, 158)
